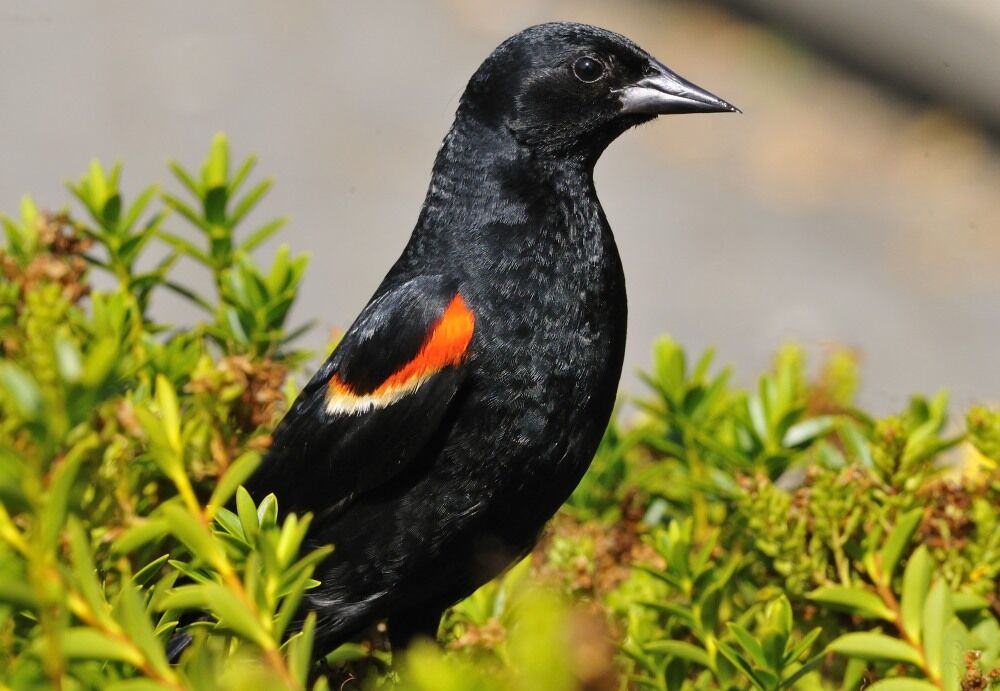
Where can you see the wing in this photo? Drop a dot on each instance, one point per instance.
(375, 403)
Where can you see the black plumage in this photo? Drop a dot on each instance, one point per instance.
(466, 401)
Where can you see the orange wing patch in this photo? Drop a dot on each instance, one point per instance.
(446, 345)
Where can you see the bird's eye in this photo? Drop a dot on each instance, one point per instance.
(588, 69)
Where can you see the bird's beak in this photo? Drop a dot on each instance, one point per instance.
(664, 92)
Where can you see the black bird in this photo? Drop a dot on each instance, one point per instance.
(466, 401)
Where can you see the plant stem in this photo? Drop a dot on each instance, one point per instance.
(885, 592)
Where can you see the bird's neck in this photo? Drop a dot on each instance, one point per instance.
(483, 176)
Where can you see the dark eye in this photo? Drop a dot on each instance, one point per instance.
(588, 69)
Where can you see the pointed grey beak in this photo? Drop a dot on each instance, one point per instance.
(665, 92)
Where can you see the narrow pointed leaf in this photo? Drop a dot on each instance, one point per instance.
(194, 535)
(249, 201)
(235, 615)
(749, 644)
(897, 542)
(808, 430)
(853, 600)
(875, 646)
(247, 513)
(82, 643)
(259, 236)
(136, 622)
(235, 476)
(902, 684)
(937, 614)
(681, 649)
(916, 583)
(139, 535)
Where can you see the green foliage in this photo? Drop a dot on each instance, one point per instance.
(800, 543)
(253, 305)
(121, 442)
(776, 538)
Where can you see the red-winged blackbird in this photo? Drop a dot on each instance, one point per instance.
(466, 401)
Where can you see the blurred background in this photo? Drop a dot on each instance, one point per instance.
(856, 201)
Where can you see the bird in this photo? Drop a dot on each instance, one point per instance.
(465, 402)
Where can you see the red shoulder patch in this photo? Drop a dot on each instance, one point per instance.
(446, 344)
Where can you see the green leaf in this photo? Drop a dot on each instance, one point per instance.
(954, 645)
(235, 615)
(758, 417)
(237, 473)
(248, 514)
(968, 602)
(194, 574)
(249, 201)
(69, 360)
(236, 329)
(112, 212)
(256, 238)
(807, 666)
(681, 649)
(267, 511)
(808, 431)
(187, 212)
(194, 535)
(749, 644)
(803, 645)
(852, 600)
(185, 292)
(144, 575)
(17, 593)
(855, 672)
(856, 443)
(170, 414)
(938, 613)
(85, 573)
(21, 389)
(62, 483)
(186, 248)
(300, 650)
(902, 684)
(137, 684)
(230, 523)
(897, 542)
(136, 622)
(875, 646)
(350, 652)
(217, 164)
(185, 597)
(740, 663)
(140, 534)
(241, 174)
(916, 582)
(96, 183)
(185, 178)
(82, 643)
(138, 206)
(669, 608)
(779, 613)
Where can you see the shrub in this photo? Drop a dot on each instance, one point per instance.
(769, 539)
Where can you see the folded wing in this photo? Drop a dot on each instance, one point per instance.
(375, 404)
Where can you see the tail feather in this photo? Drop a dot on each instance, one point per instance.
(177, 644)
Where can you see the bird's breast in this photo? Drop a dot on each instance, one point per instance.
(547, 356)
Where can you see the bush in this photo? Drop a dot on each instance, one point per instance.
(774, 538)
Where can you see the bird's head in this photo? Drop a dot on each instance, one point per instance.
(569, 89)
